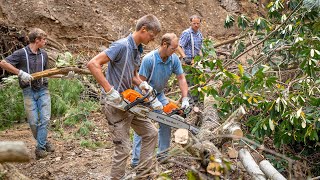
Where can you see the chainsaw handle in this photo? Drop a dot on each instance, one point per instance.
(182, 112)
(139, 100)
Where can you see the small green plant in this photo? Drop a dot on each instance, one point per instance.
(11, 106)
(85, 128)
(65, 59)
(90, 144)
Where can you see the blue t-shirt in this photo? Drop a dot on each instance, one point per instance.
(124, 59)
(161, 71)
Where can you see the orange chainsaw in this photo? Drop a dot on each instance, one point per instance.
(140, 105)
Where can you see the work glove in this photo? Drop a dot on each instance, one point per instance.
(25, 77)
(185, 103)
(156, 104)
(113, 96)
(145, 87)
(70, 75)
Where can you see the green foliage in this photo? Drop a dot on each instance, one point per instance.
(285, 107)
(165, 175)
(11, 106)
(67, 105)
(65, 59)
(229, 21)
(277, 162)
(85, 128)
(90, 144)
(243, 22)
(192, 176)
(64, 94)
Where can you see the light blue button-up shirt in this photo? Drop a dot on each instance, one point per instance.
(161, 71)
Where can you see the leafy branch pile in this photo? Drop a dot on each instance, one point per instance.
(279, 84)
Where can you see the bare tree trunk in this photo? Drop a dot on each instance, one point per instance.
(250, 165)
(270, 171)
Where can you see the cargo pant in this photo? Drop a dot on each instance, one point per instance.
(119, 123)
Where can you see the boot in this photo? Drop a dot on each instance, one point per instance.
(40, 153)
(49, 147)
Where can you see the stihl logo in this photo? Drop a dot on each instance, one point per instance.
(166, 120)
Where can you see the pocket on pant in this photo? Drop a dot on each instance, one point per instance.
(113, 115)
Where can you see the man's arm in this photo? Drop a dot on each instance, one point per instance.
(137, 80)
(180, 51)
(183, 85)
(8, 67)
(94, 65)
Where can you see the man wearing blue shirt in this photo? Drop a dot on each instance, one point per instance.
(36, 96)
(191, 41)
(190, 45)
(156, 68)
(123, 58)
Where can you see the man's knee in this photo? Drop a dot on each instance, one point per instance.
(152, 134)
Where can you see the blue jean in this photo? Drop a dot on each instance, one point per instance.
(37, 105)
(163, 141)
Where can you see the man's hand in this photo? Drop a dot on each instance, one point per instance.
(113, 96)
(185, 103)
(156, 104)
(25, 77)
(145, 87)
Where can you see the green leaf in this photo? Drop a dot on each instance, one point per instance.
(229, 21)
(241, 70)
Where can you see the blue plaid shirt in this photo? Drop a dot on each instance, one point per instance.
(185, 42)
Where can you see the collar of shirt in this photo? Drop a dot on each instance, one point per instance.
(30, 52)
(158, 58)
(193, 32)
(131, 42)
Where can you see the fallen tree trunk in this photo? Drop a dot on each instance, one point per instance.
(250, 165)
(203, 145)
(270, 171)
(200, 146)
(55, 71)
(13, 152)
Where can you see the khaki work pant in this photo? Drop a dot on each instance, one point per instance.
(119, 126)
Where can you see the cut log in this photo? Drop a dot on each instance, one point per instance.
(250, 165)
(181, 136)
(231, 126)
(201, 146)
(55, 71)
(270, 171)
(13, 152)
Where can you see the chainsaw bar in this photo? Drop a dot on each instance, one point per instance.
(173, 122)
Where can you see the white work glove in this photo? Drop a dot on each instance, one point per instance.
(113, 96)
(70, 75)
(156, 104)
(185, 103)
(145, 87)
(25, 77)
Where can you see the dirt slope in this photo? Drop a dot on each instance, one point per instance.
(87, 26)
(73, 22)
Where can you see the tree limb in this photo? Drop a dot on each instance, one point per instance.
(55, 71)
